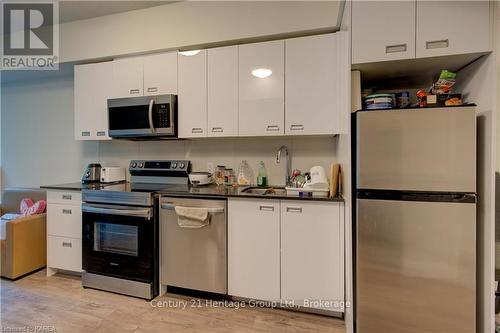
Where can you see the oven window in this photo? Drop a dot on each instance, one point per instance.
(116, 238)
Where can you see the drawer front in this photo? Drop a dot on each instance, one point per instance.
(64, 220)
(64, 197)
(64, 253)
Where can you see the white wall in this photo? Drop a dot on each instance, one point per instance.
(192, 23)
(37, 130)
(38, 146)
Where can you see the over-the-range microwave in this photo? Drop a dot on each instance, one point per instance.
(143, 117)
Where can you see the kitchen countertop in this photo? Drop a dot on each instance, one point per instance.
(78, 186)
(207, 191)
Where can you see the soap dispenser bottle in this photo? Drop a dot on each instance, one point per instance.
(262, 175)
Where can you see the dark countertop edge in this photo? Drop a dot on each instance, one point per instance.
(80, 187)
(247, 196)
(62, 188)
(77, 186)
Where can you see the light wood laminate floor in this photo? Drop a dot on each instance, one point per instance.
(62, 304)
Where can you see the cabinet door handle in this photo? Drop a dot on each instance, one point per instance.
(67, 211)
(197, 130)
(294, 209)
(437, 44)
(296, 127)
(273, 128)
(85, 133)
(267, 208)
(101, 133)
(134, 91)
(395, 48)
(67, 197)
(217, 129)
(153, 89)
(67, 244)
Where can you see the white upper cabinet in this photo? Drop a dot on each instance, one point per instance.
(312, 85)
(385, 30)
(312, 253)
(223, 91)
(192, 103)
(91, 91)
(261, 89)
(452, 27)
(128, 77)
(160, 74)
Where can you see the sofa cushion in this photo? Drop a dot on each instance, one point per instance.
(12, 197)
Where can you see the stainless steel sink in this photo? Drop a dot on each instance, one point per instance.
(265, 190)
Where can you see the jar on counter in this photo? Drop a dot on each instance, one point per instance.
(219, 175)
(230, 178)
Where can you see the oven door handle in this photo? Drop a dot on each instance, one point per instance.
(109, 210)
(150, 115)
(210, 210)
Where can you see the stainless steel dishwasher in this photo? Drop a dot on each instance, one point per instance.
(194, 258)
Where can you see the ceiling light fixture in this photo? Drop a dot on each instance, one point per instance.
(190, 53)
(262, 73)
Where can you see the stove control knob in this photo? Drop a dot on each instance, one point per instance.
(181, 165)
(134, 165)
(174, 165)
(141, 165)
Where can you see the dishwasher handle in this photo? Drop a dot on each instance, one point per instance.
(211, 210)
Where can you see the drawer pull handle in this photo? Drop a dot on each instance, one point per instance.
(395, 48)
(294, 209)
(197, 130)
(297, 128)
(267, 208)
(134, 91)
(67, 244)
(85, 133)
(153, 89)
(67, 197)
(114, 264)
(217, 129)
(273, 128)
(67, 211)
(101, 133)
(437, 44)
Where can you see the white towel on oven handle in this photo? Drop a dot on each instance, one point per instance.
(192, 217)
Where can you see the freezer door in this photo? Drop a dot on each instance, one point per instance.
(419, 149)
(416, 267)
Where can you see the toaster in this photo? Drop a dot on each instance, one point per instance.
(92, 173)
(112, 174)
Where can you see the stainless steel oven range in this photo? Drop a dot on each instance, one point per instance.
(120, 246)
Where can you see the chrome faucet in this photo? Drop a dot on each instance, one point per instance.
(287, 164)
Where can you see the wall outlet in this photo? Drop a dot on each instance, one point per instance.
(210, 167)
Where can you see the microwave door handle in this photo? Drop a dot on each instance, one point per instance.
(150, 115)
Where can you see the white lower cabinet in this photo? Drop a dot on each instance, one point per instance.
(312, 254)
(254, 249)
(64, 253)
(64, 231)
(289, 250)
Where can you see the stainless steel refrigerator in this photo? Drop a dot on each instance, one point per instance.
(415, 220)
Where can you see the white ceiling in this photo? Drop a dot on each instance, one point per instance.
(81, 10)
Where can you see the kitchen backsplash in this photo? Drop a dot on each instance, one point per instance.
(305, 153)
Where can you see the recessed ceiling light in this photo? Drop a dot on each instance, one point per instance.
(190, 53)
(262, 72)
